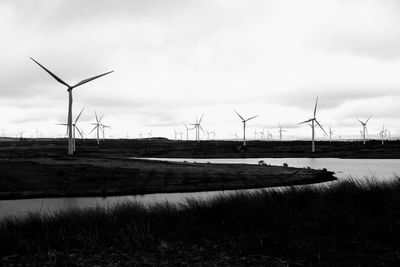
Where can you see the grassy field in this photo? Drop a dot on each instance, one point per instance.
(205, 149)
(347, 224)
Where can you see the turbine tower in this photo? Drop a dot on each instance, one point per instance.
(364, 130)
(313, 121)
(70, 88)
(244, 125)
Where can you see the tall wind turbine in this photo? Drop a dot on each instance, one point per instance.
(97, 127)
(313, 121)
(70, 88)
(364, 130)
(244, 125)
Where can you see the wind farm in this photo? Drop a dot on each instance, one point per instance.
(230, 133)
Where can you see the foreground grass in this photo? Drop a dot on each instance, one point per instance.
(346, 224)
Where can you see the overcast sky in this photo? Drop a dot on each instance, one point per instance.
(174, 60)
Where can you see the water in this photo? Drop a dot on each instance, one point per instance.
(381, 169)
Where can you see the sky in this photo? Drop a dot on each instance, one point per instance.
(175, 60)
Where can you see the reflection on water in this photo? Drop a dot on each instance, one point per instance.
(381, 169)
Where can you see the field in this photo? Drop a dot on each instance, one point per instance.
(348, 224)
(41, 169)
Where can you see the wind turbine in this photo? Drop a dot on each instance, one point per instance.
(364, 130)
(383, 133)
(103, 128)
(197, 127)
(244, 125)
(176, 133)
(97, 127)
(235, 135)
(20, 133)
(140, 135)
(187, 131)
(70, 88)
(74, 129)
(313, 121)
(262, 134)
(149, 134)
(269, 135)
(280, 132)
(330, 134)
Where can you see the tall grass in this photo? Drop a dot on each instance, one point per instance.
(350, 222)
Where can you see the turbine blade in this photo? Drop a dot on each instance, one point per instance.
(91, 79)
(360, 121)
(239, 115)
(52, 74)
(79, 131)
(101, 118)
(368, 119)
(321, 127)
(77, 118)
(302, 122)
(201, 128)
(95, 113)
(93, 129)
(315, 108)
(252, 118)
(201, 118)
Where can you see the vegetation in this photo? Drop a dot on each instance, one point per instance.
(349, 223)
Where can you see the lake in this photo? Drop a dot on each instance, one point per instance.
(360, 169)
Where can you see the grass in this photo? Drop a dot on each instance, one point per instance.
(349, 223)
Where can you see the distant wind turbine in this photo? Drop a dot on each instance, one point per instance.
(103, 129)
(198, 127)
(187, 131)
(20, 133)
(364, 130)
(383, 133)
(70, 88)
(314, 121)
(97, 127)
(244, 125)
(330, 134)
(262, 134)
(74, 129)
(280, 132)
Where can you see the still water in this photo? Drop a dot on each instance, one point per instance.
(360, 169)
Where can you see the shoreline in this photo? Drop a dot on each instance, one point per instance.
(89, 177)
